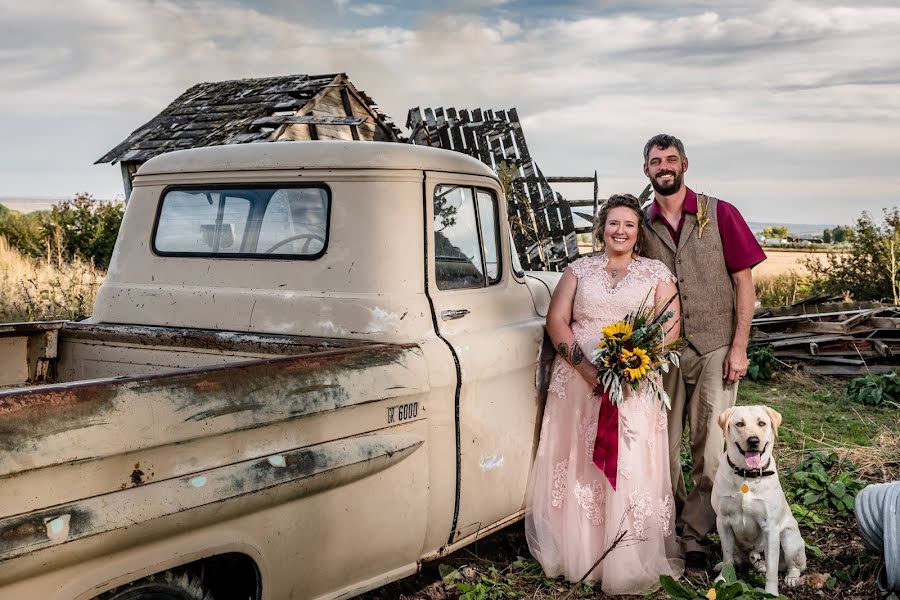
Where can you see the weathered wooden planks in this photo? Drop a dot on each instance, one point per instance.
(541, 219)
(836, 339)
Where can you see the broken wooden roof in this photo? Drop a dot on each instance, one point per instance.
(234, 112)
(540, 218)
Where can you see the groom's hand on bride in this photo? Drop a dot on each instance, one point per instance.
(735, 366)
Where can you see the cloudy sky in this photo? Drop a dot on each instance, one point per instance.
(789, 109)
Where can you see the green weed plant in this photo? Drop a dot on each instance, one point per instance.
(819, 483)
(728, 588)
(875, 389)
(762, 362)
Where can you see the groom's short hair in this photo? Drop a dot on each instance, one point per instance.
(663, 141)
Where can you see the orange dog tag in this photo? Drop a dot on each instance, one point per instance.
(745, 488)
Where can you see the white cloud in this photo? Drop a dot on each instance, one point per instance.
(784, 78)
(368, 9)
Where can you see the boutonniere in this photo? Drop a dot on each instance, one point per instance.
(702, 216)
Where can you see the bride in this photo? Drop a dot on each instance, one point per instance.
(574, 514)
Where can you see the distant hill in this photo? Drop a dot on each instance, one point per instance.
(26, 205)
(797, 229)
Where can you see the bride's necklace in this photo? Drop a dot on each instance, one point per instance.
(614, 272)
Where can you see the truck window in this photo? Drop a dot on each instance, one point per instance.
(259, 222)
(466, 237)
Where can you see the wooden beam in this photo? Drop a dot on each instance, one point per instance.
(806, 317)
(841, 370)
(345, 99)
(308, 120)
(570, 180)
(884, 322)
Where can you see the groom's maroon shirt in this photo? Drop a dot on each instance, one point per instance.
(739, 246)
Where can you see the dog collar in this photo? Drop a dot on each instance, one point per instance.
(750, 473)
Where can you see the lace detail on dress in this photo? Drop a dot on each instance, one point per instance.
(640, 508)
(661, 421)
(598, 304)
(587, 266)
(587, 432)
(664, 516)
(590, 498)
(625, 471)
(562, 374)
(560, 483)
(657, 272)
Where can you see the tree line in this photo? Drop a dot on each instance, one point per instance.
(78, 228)
(866, 268)
(836, 235)
(869, 266)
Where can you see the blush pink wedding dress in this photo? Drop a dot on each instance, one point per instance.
(573, 512)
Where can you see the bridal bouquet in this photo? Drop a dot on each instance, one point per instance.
(632, 349)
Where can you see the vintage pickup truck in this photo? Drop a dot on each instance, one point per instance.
(312, 367)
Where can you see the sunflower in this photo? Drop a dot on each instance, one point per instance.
(637, 363)
(619, 331)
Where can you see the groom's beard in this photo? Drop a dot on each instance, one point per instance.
(667, 190)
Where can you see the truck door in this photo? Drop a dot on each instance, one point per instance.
(488, 318)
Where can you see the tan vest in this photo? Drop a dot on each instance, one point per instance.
(704, 284)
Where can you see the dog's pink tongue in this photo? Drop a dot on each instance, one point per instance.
(752, 459)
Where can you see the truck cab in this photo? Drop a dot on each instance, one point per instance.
(321, 357)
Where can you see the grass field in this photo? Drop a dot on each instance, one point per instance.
(819, 423)
(783, 261)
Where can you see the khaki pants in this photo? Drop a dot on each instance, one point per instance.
(699, 394)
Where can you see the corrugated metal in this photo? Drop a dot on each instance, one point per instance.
(878, 513)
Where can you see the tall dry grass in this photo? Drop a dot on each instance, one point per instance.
(45, 289)
(782, 289)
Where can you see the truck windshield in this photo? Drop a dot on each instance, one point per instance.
(259, 221)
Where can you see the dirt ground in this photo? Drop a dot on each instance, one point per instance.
(493, 560)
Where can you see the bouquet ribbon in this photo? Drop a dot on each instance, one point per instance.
(606, 444)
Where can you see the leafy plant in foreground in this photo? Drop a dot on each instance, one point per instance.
(875, 390)
(729, 588)
(816, 487)
(762, 362)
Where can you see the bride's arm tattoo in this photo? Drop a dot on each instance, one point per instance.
(573, 356)
(577, 355)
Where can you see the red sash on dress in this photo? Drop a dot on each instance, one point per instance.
(606, 445)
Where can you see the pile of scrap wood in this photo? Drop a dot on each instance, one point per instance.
(838, 339)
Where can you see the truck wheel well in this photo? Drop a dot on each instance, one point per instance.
(231, 576)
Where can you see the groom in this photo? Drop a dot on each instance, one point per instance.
(707, 244)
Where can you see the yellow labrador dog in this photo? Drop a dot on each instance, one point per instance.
(752, 514)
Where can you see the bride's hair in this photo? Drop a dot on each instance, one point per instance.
(615, 201)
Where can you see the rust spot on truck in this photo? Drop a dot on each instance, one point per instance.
(207, 339)
(248, 394)
(37, 528)
(206, 386)
(54, 396)
(137, 477)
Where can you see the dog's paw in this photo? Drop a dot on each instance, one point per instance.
(793, 578)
